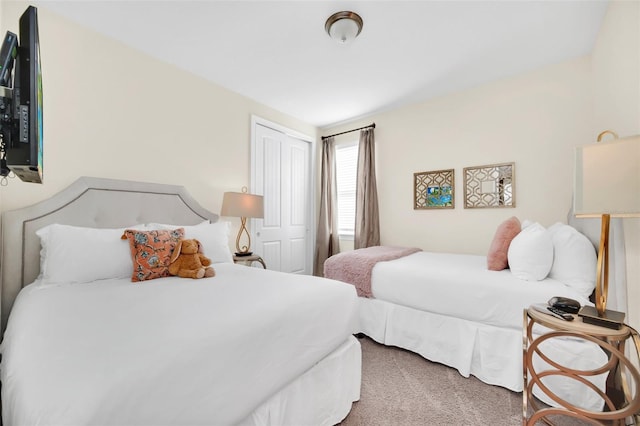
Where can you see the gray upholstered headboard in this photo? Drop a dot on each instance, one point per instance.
(89, 202)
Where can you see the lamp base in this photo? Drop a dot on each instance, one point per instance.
(243, 254)
(610, 319)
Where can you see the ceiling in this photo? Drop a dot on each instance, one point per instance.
(278, 53)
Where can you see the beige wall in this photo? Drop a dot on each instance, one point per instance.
(616, 87)
(110, 111)
(534, 120)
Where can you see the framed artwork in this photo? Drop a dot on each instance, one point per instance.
(490, 186)
(433, 190)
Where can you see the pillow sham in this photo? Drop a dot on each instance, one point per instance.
(73, 254)
(151, 252)
(530, 254)
(574, 259)
(214, 238)
(497, 259)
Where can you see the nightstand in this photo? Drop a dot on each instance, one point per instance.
(619, 401)
(248, 260)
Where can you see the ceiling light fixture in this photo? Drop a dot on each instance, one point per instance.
(344, 26)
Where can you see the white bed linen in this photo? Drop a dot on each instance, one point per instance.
(167, 351)
(461, 286)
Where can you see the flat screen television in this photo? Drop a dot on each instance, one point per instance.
(21, 122)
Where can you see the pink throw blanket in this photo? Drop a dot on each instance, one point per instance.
(354, 267)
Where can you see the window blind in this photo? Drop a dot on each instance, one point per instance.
(346, 176)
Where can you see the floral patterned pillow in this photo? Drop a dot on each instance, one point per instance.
(151, 252)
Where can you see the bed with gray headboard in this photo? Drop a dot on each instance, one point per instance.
(88, 202)
(242, 361)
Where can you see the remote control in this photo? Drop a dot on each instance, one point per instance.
(549, 310)
(560, 313)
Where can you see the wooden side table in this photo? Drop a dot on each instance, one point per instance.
(248, 260)
(619, 402)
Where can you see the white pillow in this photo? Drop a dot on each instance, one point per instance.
(72, 254)
(574, 259)
(214, 238)
(526, 223)
(531, 253)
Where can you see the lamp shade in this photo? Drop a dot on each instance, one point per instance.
(607, 178)
(242, 204)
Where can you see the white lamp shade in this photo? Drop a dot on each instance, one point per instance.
(607, 178)
(242, 204)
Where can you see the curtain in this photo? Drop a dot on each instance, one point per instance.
(367, 229)
(327, 241)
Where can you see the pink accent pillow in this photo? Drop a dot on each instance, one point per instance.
(151, 252)
(497, 259)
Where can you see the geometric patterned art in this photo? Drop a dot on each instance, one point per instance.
(491, 186)
(433, 190)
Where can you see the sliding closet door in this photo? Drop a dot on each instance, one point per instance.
(282, 173)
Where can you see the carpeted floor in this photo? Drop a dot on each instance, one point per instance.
(401, 388)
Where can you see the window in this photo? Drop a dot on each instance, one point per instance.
(346, 176)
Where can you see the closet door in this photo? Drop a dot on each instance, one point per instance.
(282, 174)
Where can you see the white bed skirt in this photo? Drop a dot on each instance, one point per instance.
(467, 346)
(492, 354)
(321, 396)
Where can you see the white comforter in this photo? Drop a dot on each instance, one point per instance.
(461, 286)
(167, 351)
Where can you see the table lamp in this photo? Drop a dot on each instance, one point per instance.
(607, 184)
(242, 205)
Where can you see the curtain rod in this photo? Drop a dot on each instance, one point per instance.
(372, 125)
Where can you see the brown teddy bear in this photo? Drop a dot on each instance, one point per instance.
(187, 261)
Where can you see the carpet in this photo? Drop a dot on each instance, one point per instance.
(401, 388)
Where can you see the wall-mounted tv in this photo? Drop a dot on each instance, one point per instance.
(21, 138)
